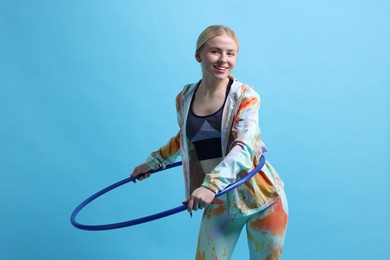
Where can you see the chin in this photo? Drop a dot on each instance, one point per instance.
(221, 77)
(218, 76)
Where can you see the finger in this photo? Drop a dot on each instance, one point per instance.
(185, 202)
(143, 176)
(190, 205)
(134, 177)
(134, 173)
(196, 205)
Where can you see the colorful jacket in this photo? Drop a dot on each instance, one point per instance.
(241, 151)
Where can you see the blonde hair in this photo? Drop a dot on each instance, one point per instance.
(213, 31)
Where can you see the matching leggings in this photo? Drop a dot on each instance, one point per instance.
(266, 230)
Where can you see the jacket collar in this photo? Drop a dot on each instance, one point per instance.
(234, 93)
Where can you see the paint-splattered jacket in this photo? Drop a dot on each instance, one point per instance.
(241, 151)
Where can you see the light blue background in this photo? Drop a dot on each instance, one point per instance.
(88, 88)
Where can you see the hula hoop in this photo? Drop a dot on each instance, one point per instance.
(152, 217)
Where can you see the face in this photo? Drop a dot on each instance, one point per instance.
(218, 57)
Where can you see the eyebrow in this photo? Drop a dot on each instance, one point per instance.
(220, 49)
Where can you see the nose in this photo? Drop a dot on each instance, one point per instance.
(222, 59)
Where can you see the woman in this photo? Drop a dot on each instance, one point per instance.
(219, 143)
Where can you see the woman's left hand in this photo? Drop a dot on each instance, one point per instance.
(200, 198)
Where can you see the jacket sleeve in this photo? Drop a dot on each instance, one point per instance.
(244, 135)
(169, 152)
(166, 154)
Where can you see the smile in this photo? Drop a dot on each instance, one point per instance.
(220, 68)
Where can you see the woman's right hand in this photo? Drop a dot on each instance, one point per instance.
(141, 169)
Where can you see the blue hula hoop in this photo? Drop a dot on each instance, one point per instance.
(153, 216)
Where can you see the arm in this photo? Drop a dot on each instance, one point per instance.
(165, 155)
(159, 159)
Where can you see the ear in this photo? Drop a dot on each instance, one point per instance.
(197, 57)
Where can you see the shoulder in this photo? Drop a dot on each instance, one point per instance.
(184, 96)
(242, 91)
(187, 90)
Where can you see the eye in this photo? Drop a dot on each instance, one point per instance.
(231, 54)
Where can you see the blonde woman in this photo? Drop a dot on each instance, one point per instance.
(219, 143)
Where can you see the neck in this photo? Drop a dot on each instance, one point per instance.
(212, 86)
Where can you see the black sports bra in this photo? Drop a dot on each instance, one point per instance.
(205, 131)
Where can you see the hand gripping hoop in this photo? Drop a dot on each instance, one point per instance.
(153, 216)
